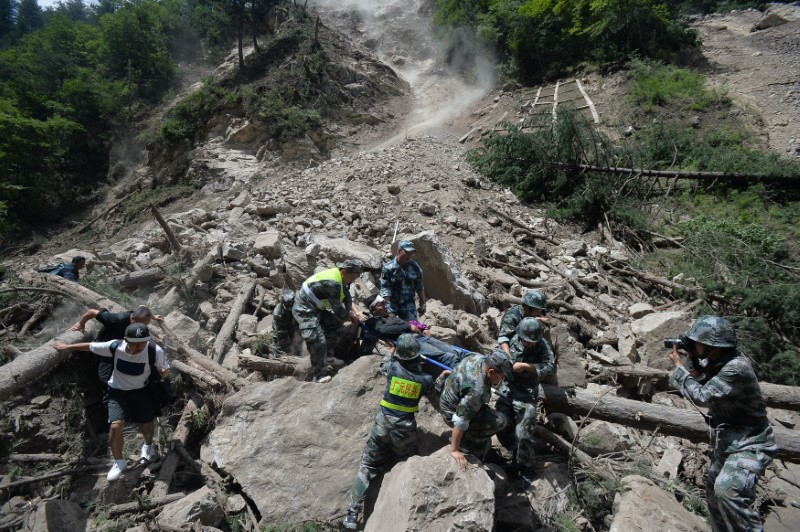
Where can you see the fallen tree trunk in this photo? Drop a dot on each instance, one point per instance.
(140, 278)
(688, 424)
(179, 438)
(223, 341)
(207, 382)
(34, 364)
(142, 505)
(776, 395)
(279, 367)
(94, 300)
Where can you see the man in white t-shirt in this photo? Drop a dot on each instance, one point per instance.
(129, 399)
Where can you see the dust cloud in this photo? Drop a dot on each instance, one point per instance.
(445, 75)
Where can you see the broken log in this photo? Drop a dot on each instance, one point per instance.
(526, 229)
(179, 438)
(144, 504)
(177, 249)
(279, 367)
(776, 395)
(94, 300)
(224, 339)
(42, 457)
(49, 476)
(140, 278)
(683, 423)
(25, 369)
(44, 310)
(200, 379)
(11, 352)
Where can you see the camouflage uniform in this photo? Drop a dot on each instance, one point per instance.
(399, 287)
(745, 442)
(321, 325)
(518, 398)
(508, 325)
(394, 432)
(283, 325)
(464, 404)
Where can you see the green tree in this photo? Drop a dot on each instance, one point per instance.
(134, 48)
(7, 8)
(29, 17)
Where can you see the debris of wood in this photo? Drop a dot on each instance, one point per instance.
(224, 339)
(278, 367)
(688, 424)
(144, 504)
(140, 278)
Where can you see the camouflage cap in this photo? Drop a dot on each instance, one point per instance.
(407, 347)
(136, 333)
(535, 299)
(352, 265)
(499, 361)
(530, 330)
(713, 331)
(407, 245)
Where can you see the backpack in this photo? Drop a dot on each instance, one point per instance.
(53, 270)
(160, 389)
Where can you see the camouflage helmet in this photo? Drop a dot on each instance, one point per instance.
(407, 347)
(499, 361)
(287, 296)
(535, 299)
(713, 331)
(529, 330)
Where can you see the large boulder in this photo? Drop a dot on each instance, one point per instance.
(569, 358)
(641, 505)
(431, 493)
(185, 328)
(268, 244)
(294, 447)
(341, 249)
(56, 515)
(443, 280)
(200, 506)
(650, 332)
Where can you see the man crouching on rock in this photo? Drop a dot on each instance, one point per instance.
(464, 403)
(128, 398)
(394, 431)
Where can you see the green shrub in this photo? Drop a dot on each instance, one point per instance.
(657, 85)
(188, 119)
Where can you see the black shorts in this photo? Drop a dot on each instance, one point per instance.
(135, 406)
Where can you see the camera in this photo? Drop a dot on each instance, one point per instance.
(680, 342)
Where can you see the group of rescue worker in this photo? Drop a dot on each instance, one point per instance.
(710, 370)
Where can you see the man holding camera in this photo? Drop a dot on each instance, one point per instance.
(723, 379)
(534, 305)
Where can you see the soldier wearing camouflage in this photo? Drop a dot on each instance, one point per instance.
(320, 309)
(283, 324)
(464, 402)
(401, 283)
(534, 305)
(394, 431)
(745, 442)
(533, 359)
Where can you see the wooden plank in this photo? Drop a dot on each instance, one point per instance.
(595, 116)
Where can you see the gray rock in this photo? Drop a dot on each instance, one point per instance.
(642, 505)
(341, 249)
(296, 264)
(564, 425)
(268, 245)
(233, 251)
(640, 310)
(431, 493)
(443, 280)
(573, 248)
(444, 334)
(56, 515)
(668, 465)
(601, 437)
(650, 332)
(184, 327)
(277, 440)
(569, 358)
(394, 190)
(200, 506)
(428, 209)
(246, 326)
(626, 342)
